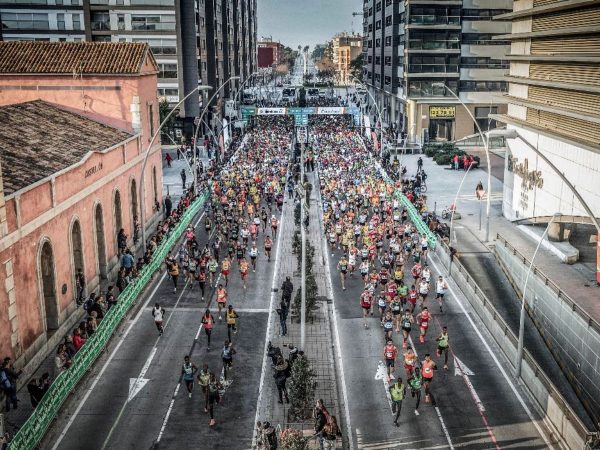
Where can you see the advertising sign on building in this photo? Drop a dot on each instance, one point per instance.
(271, 111)
(331, 110)
(442, 112)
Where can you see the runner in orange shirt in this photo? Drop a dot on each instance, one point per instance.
(221, 299)
(428, 366)
(225, 267)
(244, 272)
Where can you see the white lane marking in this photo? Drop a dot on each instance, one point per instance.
(437, 410)
(381, 374)
(269, 327)
(164, 425)
(460, 368)
(105, 366)
(338, 347)
(496, 361)
(198, 333)
(137, 384)
(144, 370)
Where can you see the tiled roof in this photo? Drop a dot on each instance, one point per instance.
(83, 58)
(38, 139)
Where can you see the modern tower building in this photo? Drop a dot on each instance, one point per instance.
(414, 48)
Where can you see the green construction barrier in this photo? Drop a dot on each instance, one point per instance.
(414, 215)
(36, 426)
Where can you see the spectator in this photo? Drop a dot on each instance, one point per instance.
(36, 392)
(70, 349)
(282, 372)
(168, 206)
(283, 313)
(80, 286)
(97, 308)
(122, 240)
(287, 288)
(127, 261)
(78, 341)
(61, 360)
(8, 381)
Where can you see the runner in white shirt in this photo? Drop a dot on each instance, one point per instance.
(426, 273)
(158, 313)
(423, 291)
(440, 289)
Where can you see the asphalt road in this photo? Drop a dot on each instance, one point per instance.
(104, 414)
(478, 411)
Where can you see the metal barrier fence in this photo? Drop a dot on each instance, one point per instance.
(552, 285)
(36, 426)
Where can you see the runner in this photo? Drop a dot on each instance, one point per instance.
(212, 396)
(423, 291)
(388, 324)
(390, 353)
(428, 368)
(268, 247)
(187, 371)
(202, 281)
(423, 319)
(366, 302)
(253, 252)
(208, 322)
(225, 267)
(343, 268)
(221, 299)
(397, 392)
(227, 357)
(231, 316)
(274, 225)
(174, 274)
(410, 360)
(244, 266)
(203, 378)
(407, 320)
(212, 265)
(440, 290)
(158, 313)
(416, 382)
(443, 342)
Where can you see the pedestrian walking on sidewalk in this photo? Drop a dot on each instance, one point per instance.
(283, 311)
(282, 372)
(168, 158)
(287, 288)
(8, 381)
(183, 177)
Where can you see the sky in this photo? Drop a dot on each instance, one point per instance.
(307, 22)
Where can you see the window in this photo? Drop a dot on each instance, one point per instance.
(388, 60)
(76, 21)
(378, 6)
(482, 119)
(151, 119)
(481, 39)
(370, 43)
(370, 27)
(120, 2)
(100, 21)
(469, 62)
(378, 60)
(153, 23)
(483, 86)
(378, 25)
(426, 88)
(25, 21)
(167, 70)
(482, 14)
(121, 22)
(60, 21)
(388, 21)
(388, 41)
(377, 43)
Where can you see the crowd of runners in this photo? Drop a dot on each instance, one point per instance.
(239, 228)
(377, 248)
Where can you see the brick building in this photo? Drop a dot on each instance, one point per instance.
(72, 151)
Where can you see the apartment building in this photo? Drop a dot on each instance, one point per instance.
(193, 41)
(345, 48)
(553, 95)
(418, 53)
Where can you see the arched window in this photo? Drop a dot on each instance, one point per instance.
(134, 201)
(100, 241)
(48, 279)
(76, 252)
(118, 215)
(154, 184)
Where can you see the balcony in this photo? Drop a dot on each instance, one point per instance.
(423, 44)
(429, 19)
(169, 26)
(433, 68)
(100, 26)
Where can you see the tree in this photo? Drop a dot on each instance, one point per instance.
(163, 111)
(356, 67)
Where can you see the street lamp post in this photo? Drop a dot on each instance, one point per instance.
(519, 357)
(514, 134)
(356, 81)
(487, 156)
(202, 116)
(147, 153)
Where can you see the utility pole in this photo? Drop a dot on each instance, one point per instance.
(303, 239)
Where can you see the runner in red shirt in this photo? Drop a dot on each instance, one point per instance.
(366, 302)
(390, 353)
(412, 297)
(423, 319)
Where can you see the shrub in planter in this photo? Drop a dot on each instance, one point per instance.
(301, 388)
(291, 439)
(311, 296)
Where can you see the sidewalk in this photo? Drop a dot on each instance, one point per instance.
(319, 340)
(478, 258)
(16, 418)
